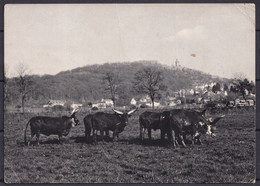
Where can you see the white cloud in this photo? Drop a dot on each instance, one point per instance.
(198, 32)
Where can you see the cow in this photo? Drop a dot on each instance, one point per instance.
(115, 122)
(154, 120)
(188, 122)
(148, 121)
(60, 126)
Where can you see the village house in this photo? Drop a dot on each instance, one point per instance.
(145, 100)
(108, 102)
(104, 103)
(133, 101)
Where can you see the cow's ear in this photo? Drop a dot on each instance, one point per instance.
(216, 120)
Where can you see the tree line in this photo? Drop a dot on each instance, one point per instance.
(117, 81)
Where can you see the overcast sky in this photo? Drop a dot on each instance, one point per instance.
(216, 38)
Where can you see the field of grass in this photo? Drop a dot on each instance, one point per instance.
(228, 157)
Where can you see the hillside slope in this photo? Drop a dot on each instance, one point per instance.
(85, 84)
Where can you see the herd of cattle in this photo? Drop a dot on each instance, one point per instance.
(176, 123)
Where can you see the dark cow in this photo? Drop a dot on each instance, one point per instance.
(188, 122)
(105, 122)
(60, 126)
(148, 121)
(154, 120)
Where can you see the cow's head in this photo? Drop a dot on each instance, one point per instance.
(124, 115)
(73, 117)
(212, 126)
(165, 117)
(208, 125)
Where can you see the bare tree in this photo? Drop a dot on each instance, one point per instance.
(241, 86)
(112, 84)
(149, 81)
(24, 82)
(239, 76)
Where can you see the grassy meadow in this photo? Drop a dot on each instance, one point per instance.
(228, 157)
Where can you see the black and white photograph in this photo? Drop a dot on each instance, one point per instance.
(129, 93)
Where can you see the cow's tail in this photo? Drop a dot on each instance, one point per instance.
(25, 139)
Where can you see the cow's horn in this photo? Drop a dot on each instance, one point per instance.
(131, 111)
(203, 112)
(217, 119)
(118, 112)
(75, 110)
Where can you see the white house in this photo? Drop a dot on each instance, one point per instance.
(145, 99)
(133, 101)
(156, 104)
(172, 104)
(225, 93)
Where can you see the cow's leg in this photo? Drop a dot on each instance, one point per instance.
(60, 138)
(29, 140)
(171, 138)
(184, 138)
(181, 139)
(114, 136)
(87, 135)
(163, 135)
(174, 139)
(95, 136)
(193, 139)
(142, 133)
(198, 140)
(149, 134)
(38, 138)
(107, 134)
(102, 135)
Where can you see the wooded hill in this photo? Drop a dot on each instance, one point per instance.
(86, 84)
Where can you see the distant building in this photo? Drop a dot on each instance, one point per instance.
(150, 104)
(225, 93)
(172, 104)
(145, 99)
(108, 102)
(104, 103)
(133, 101)
(192, 91)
